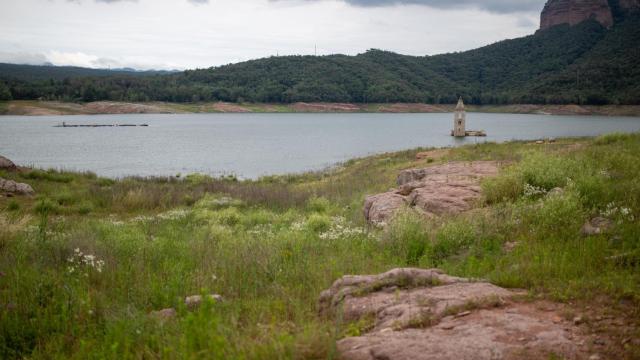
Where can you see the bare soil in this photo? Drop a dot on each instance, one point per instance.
(38, 108)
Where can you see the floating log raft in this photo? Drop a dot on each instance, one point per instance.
(65, 125)
(479, 133)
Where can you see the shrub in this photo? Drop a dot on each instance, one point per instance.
(318, 223)
(318, 204)
(407, 237)
(546, 171)
(45, 207)
(13, 206)
(556, 217)
(608, 139)
(451, 238)
(49, 175)
(230, 216)
(505, 187)
(85, 208)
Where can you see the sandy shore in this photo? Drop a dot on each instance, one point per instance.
(40, 108)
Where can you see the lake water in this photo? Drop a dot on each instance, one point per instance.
(252, 145)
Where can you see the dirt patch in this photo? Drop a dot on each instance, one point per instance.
(412, 108)
(14, 109)
(230, 108)
(436, 154)
(108, 107)
(425, 314)
(325, 107)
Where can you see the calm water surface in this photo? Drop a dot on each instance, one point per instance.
(251, 145)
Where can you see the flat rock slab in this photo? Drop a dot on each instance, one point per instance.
(12, 187)
(437, 190)
(426, 314)
(484, 334)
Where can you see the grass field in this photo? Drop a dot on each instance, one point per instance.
(84, 262)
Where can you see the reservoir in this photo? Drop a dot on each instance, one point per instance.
(253, 145)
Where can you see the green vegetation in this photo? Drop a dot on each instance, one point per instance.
(584, 64)
(84, 262)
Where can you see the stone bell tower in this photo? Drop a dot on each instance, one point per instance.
(460, 120)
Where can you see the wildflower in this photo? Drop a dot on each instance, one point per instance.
(83, 263)
(297, 226)
(339, 230)
(533, 191)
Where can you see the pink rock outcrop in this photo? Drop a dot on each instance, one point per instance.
(437, 190)
(425, 314)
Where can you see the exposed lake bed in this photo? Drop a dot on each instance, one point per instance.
(254, 145)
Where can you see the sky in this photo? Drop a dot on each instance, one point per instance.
(187, 34)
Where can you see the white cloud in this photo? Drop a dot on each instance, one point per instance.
(174, 34)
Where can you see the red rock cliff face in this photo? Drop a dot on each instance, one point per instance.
(573, 12)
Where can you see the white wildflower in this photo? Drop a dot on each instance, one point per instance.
(533, 191)
(340, 230)
(298, 226)
(79, 262)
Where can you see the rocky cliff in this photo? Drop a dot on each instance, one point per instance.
(573, 12)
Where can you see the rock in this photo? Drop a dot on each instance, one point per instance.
(573, 12)
(484, 325)
(13, 187)
(555, 192)
(436, 190)
(164, 314)
(194, 302)
(6, 164)
(596, 226)
(509, 246)
(380, 209)
(578, 320)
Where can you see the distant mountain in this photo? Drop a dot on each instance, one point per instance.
(47, 72)
(587, 63)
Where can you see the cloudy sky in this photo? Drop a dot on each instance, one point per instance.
(182, 34)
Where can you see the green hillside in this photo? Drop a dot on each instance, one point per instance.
(584, 64)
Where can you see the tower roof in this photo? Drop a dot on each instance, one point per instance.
(460, 105)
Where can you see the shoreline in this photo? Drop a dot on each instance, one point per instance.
(52, 108)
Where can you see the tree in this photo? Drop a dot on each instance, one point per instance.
(5, 93)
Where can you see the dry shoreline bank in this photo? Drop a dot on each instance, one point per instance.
(40, 108)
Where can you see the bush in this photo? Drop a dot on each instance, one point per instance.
(546, 171)
(451, 239)
(49, 175)
(318, 223)
(505, 187)
(318, 204)
(407, 237)
(609, 139)
(229, 216)
(13, 206)
(45, 207)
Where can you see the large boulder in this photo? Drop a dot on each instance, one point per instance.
(425, 314)
(379, 209)
(437, 190)
(6, 164)
(12, 187)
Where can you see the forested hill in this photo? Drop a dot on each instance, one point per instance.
(44, 72)
(584, 64)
